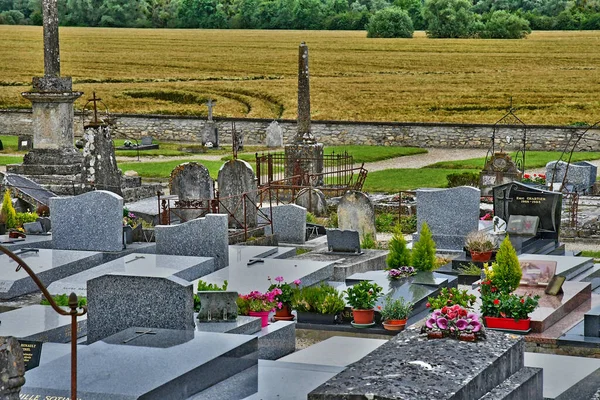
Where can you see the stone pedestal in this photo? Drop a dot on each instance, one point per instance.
(304, 159)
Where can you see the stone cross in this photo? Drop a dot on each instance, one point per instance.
(210, 105)
(51, 46)
(304, 134)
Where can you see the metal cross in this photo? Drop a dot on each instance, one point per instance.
(95, 100)
(134, 259)
(139, 334)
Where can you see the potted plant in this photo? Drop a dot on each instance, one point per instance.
(8, 213)
(283, 310)
(394, 313)
(257, 304)
(129, 221)
(395, 274)
(454, 322)
(450, 297)
(362, 298)
(480, 245)
(321, 304)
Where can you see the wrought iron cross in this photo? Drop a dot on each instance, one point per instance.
(95, 101)
(139, 334)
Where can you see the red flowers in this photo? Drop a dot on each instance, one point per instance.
(522, 300)
(496, 301)
(428, 305)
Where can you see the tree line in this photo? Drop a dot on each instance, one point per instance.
(436, 16)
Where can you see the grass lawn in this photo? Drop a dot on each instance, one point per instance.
(162, 169)
(533, 159)
(10, 160)
(10, 144)
(394, 180)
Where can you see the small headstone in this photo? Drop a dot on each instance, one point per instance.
(356, 213)
(235, 178)
(118, 302)
(191, 181)
(450, 214)
(91, 221)
(343, 241)
(581, 176)
(499, 169)
(274, 137)
(202, 237)
(146, 140)
(289, 223)
(33, 228)
(217, 306)
(12, 368)
(209, 135)
(46, 224)
(313, 200)
(25, 143)
(523, 225)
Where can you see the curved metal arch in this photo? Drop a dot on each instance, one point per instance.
(509, 119)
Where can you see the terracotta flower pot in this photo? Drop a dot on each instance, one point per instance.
(508, 323)
(435, 335)
(394, 324)
(481, 257)
(363, 317)
(467, 337)
(284, 314)
(264, 315)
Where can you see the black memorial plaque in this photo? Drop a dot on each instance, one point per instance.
(32, 351)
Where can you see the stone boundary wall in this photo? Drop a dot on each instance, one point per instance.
(187, 129)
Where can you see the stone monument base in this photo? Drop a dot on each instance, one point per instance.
(303, 159)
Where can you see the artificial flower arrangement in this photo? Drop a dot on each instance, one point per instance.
(454, 322)
(399, 273)
(539, 179)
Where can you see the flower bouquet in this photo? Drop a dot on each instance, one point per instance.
(284, 298)
(539, 179)
(398, 273)
(257, 304)
(455, 322)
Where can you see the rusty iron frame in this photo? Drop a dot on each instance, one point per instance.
(509, 119)
(73, 301)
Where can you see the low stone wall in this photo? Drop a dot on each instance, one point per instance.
(187, 129)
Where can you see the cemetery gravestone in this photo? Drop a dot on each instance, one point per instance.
(192, 183)
(147, 141)
(235, 178)
(210, 132)
(33, 228)
(119, 302)
(100, 170)
(91, 221)
(289, 223)
(217, 306)
(450, 214)
(202, 237)
(313, 200)
(25, 143)
(356, 213)
(581, 176)
(499, 169)
(343, 241)
(274, 135)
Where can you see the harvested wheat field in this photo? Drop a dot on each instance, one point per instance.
(553, 77)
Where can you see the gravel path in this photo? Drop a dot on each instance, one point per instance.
(421, 160)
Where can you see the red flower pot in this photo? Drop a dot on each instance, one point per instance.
(435, 335)
(481, 257)
(394, 324)
(363, 317)
(467, 337)
(284, 314)
(264, 315)
(507, 323)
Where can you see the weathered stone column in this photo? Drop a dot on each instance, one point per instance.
(100, 169)
(304, 133)
(12, 368)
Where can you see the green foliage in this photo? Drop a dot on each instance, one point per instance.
(385, 222)
(470, 269)
(22, 218)
(463, 179)
(310, 218)
(62, 300)
(368, 242)
(399, 254)
(363, 295)
(395, 309)
(333, 220)
(423, 254)
(407, 223)
(449, 18)
(7, 212)
(504, 25)
(507, 305)
(506, 271)
(211, 287)
(450, 297)
(323, 299)
(392, 22)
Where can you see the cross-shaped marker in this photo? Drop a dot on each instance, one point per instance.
(140, 333)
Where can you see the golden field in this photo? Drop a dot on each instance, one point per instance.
(553, 77)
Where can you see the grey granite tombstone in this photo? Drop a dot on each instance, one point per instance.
(274, 135)
(313, 200)
(146, 141)
(12, 368)
(235, 178)
(33, 228)
(46, 223)
(580, 176)
(343, 241)
(100, 170)
(217, 306)
(450, 214)
(91, 221)
(118, 302)
(203, 237)
(289, 223)
(356, 213)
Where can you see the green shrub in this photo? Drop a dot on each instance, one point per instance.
(385, 222)
(450, 297)
(391, 22)
(310, 218)
(506, 270)
(7, 212)
(323, 299)
(399, 254)
(62, 300)
(408, 223)
(333, 220)
(423, 254)
(463, 179)
(22, 218)
(368, 242)
(504, 25)
(363, 295)
(449, 18)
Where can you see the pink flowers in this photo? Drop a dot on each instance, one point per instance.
(453, 321)
(279, 279)
(297, 282)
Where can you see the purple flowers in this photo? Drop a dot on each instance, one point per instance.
(279, 279)
(453, 321)
(402, 272)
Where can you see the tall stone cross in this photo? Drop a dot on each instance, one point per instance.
(51, 43)
(210, 104)
(304, 134)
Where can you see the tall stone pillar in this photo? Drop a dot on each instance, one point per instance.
(12, 368)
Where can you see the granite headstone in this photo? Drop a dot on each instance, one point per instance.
(580, 176)
(274, 135)
(343, 241)
(235, 178)
(289, 222)
(191, 181)
(118, 302)
(356, 213)
(450, 214)
(91, 221)
(202, 237)
(33, 228)
(313, 200)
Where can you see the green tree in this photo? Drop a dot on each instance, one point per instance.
(7, 212)
(12, 17)
(504, 25)
(399, 254)
(391, 22)
(507, 269)
(449, 18)
(207, 14)
(423, 254)
(124, 13)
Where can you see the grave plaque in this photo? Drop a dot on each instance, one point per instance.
(537, 272)
(523, 225)
(32, 351)
(499, 169)
(343, 241)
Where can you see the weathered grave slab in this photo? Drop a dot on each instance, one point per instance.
(274, 136)
(289, 223)
(91, 221)
(343, 241)
(118, 302)
(201, 237)
(313, 200)
(499, 169)
(369, 260)
(450, 214)
(235, 178)
(191, 181)
(356, 213)
(49, 265)
(40, 323)
(100, 169)
(150, 265)
(168, 364)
